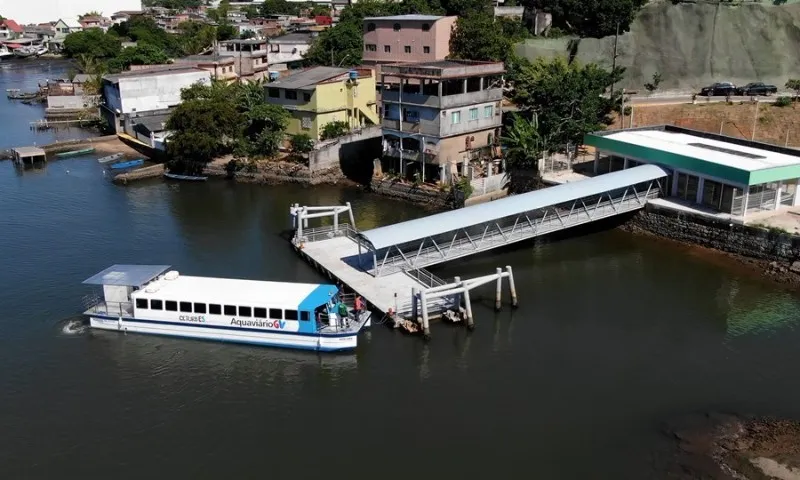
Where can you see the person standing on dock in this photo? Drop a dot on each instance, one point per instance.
(359, 306)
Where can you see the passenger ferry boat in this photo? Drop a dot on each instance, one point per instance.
(154, 299)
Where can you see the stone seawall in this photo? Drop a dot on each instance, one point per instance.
(273, 172)
(416, 194)
(747, 241)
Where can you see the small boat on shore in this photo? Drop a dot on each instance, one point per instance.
(185, 178)
(128, 164)
(111, 158)
(17, 94)
(156, 300)
(75, 153)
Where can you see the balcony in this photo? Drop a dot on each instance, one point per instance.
(424, 127)
(413, 155)
(448, 101)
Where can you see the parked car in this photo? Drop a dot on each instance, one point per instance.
(719, 89)
(757, 88)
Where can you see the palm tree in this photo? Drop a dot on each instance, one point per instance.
(523, 145)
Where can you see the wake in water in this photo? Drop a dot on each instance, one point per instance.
(74, 326)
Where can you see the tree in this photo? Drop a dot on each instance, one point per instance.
(590, 18)
(567, 98)
(794, 84)
(93, 13)
(247, 34)
(652, 86)
(279, 7)
(226, 32)
(523, 145)
(335, 129)
(196, 37)
(479, 37)
(142, 29)
(340, 45)
(301, 143)
(92, 42)
(143, 54)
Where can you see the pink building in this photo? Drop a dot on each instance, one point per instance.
(407, 38)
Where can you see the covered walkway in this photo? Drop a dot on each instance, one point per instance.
(446, 236)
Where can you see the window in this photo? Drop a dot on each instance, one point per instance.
(245, 311)
(259, 312)
(186, 307)
(407, 48)
(141, 303)
(307, 97)
(387, 49)
(199, 308)
(274, 93)
(473, 113)
(455, 117)
(291, 315)
(214, 309)
(230, 310)
(156, 305)
(290, 95)
(304, 316)
(171, 306)
(426, 27)
(370, 47)
(370, 27)
(275, 314)
(396, 27)
(426, 49)
(488, 111)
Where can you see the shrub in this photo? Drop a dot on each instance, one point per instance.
(334, 130)
(464, 186)
(783, 101)
(301, 143)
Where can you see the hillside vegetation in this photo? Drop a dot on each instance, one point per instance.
(693, 44)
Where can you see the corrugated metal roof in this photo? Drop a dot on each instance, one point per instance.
(127, 275)
(440, 223)
(308, 78)
(412, 17)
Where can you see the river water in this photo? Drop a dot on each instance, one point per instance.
(615, 335)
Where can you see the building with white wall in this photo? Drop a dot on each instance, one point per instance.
(39, 11)
(132, 97)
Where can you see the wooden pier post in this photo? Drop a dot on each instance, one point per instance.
(514, 302)
(499, 290)
(468, 304)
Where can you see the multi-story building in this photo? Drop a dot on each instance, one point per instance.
(321, 95)
(441, 116)
(220, 67)
(146, 96)
(9, 29)
(94, 21)
(287, 51)
(407, 38)
(250, 56)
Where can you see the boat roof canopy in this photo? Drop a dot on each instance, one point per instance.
(127, 275)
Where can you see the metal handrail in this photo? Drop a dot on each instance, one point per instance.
(511, 234)
(328, 231)
(424, 277)
(112, 308)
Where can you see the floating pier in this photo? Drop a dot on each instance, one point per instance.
(411, 297)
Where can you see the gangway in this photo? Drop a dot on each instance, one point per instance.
(450, 235)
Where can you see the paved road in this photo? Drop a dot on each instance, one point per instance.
(678, 99)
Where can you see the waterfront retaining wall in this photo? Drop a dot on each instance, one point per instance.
(747, 241)
(409, 192)
(352, 153)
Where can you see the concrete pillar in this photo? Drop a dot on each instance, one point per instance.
(414, 310)
(465, 86)
(596, 160)
(513, 288)
(498, 305)
(674, 192)
(625, 163)
(482, 80)
(796, 200)
(746, 193)
(778, 195)
(698, 198)
(426, 327)
(465, 168)
(457, 296)
(468, 305)
(439, 87)
(442, 176)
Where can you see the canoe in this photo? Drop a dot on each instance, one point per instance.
(75, 153)
(128, 164)
(187, 178)
(111, 158)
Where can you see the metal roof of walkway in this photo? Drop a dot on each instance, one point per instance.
(445, 236)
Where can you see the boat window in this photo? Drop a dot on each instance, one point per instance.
(230, 310)
(186, 307)
(275, 314)
(260, 312)
(199, 308)
(141, 303)
(291, 314)
(245, 311)
(304, 316)
(156, 305)
(171, 305)
(214, 309)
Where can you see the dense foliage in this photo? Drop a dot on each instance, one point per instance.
(173, 4)
(144, 54)
(480, 36)
(590, 18)
(301, 143)
(223, 118)
(333, 130)
(92, 42)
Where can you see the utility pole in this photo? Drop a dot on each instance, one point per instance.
(614, 61)
(755, 121)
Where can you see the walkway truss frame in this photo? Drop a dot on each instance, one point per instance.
(431, 250)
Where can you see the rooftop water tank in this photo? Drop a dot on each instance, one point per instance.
(353, 75)
(273, 75)
(171, 275)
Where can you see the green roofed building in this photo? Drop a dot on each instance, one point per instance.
(726, 174)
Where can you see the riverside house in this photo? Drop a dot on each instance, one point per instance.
(321, 95)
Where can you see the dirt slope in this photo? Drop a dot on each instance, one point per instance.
(696, 44)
